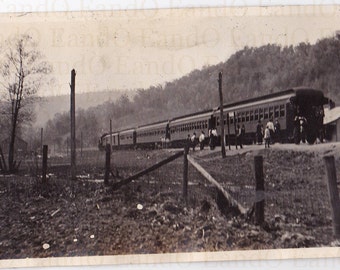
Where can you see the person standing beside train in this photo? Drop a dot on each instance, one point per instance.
(271, 127)
(243, 133)
(277, 129)
(214, 133)
(239, 137)
(193, 141)
(188, 142)
(259, 132)
(201, 140)
(266, 137)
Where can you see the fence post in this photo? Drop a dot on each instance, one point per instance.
(333, 194)
(107, 163)
(259, 204)
(44, 163)
(73, 125)
(185, 172)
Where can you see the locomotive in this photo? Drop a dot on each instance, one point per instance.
(287, 107)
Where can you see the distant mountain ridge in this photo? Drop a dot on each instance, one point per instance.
(248, 73)
(48, 107)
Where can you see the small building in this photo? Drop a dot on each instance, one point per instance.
(20, 146)
(332, 124)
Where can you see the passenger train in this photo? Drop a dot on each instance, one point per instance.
(286, 107)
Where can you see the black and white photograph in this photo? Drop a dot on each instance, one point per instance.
(156, 135)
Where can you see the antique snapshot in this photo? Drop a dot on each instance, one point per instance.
(162, 135)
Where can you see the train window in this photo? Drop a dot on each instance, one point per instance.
(247, 116)
(237, 117)
(260, 114)
(251, 117)
(231, 120)
(276, 112)
(266, 113)
(256, 114)
(282, 110)
(271, 112)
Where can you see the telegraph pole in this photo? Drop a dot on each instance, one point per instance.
(73, 126)
(221, 115)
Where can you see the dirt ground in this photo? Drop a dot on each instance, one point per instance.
(149, 215)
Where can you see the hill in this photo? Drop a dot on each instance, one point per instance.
(248, 73)
(48, 107)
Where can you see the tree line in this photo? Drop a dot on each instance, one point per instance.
(250, 72)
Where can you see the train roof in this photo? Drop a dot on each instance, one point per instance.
(191, 117)
(151, 126)
(129, 130)
(156, 124)
(109, 134)
(295, 92)
(192, 114)
(291, 92)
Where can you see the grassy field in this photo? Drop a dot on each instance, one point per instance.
(149, 215)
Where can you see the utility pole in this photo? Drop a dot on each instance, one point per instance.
(73, 126)
(111, 133)
(41, 140)
(221, 115)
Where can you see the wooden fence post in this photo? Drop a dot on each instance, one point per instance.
(333, 194)
(44, 163)
(185, 172)
(259, 204)
(107, 163)
(73, 125)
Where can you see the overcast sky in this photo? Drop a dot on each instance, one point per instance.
(138, 48)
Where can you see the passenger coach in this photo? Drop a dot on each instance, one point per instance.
(287, 107)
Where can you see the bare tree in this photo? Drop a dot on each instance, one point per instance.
(23, 70)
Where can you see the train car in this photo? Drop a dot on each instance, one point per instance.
(109, 138)
(153, 135)
(181, 127)
(287, 107)
(127, 138)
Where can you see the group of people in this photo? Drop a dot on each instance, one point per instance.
(193, 140)
(270, 134)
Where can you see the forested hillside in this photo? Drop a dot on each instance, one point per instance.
(247, 73)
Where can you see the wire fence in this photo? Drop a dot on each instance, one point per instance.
(295, 187)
